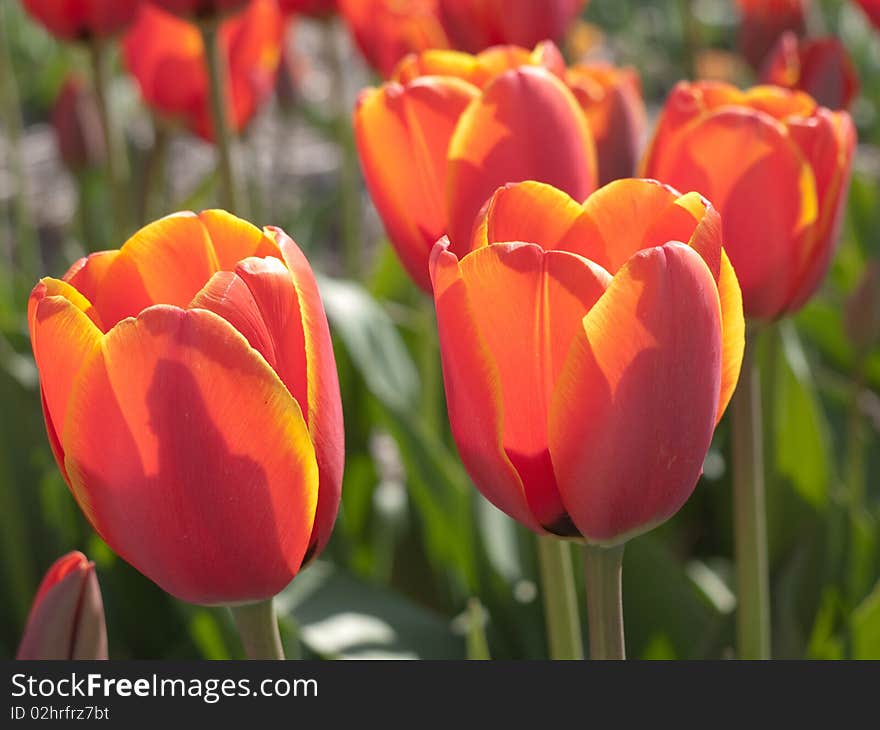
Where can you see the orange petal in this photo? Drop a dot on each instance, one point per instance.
(402, 135)
(62, 337)
(525, 126)
(324, 410)
(235, 239)
(527, 305)
(191, 458)
(634, 409)
(745, 161)
(165, 262)
(87, 274)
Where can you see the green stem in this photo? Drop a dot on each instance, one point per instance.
(749, 514)
(349, 185)
(152, 200)
(117, 159)
(560, 599)
(603, 567)
(231, 198)
(477, 645)
(691, 36)
(429, 370)
(258, 628)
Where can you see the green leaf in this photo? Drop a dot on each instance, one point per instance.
(866, 627)
(373, 342)
(340, 616)
(800, 428)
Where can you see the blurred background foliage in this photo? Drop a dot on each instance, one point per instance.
(415, 544)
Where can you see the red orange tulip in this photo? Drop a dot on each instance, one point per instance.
(73, 20)
(474, 25)
(584, 406)
(437, 140)
(66, 620)
(77, 124)
(191, 400)
(167, 58)
(819, 66)
(612, 100)
(308, 7)
(387, 30)
(777, 167)
(762, 22)
(200, 8)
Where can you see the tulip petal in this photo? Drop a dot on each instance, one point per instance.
(166, 262)
(235, 239)
(324, 411)
(525, 126)
(402, 135)
(634, 408)
(62, 337)
(87, 274)
(527, 305)
(175, 405)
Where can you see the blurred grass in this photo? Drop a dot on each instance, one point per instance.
(414, 541)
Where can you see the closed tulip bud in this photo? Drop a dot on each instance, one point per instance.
(387, 30)
(585, 405)
(821, 67)
(437, 140)
(316, 8)
(862, 316)
(77, 124)
(872, 10)
(66, 620)
(612, 100)
(766, 150)
(166, 56)
(474, 25)
(84, 20)
(762, 22)
(190, 396)
(200, 9)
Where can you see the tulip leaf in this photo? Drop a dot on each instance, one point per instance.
(801, 452)
(866, 627)
(374, 344)
(340, 616)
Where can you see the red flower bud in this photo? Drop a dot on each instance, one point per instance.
(77, 124)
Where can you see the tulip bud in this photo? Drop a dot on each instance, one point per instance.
(872, 10)
(77, 124)
(72, 21)
(315, 8)
(763, 21)
(819, 66)
(66, 620)
(612, 101)
(862, 316)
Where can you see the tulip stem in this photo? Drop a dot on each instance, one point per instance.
(258, 628)
(603, 569)
(560, 599)
(749, 514)
(231, 198)
(117, 159)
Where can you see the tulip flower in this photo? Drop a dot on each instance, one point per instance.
(612, 100)
(191, 400)
(166, 56)
(200, 9)
(872, 10)
(83, 20)
(570, 405)
(765, 149)
(762, 22)
(66, 620)
(77, 124)
(585, 405)
(437, 140)
(819, 66)
(387, 30)
(474, 25)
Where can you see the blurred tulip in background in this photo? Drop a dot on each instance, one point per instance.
(762, 22)
(83, 19)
